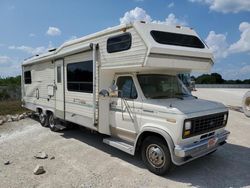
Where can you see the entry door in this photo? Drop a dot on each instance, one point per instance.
(124, 119)
(59, 91)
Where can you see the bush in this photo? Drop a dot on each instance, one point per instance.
(4, 95)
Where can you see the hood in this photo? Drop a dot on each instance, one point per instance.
(188, 106)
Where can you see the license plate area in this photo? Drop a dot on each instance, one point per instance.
(212, 142)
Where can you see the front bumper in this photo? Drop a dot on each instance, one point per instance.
(201, 148)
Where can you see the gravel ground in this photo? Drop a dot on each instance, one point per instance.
(82, 160)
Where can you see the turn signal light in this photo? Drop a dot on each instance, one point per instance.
(186, 133)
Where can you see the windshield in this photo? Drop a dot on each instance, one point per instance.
(156, 86)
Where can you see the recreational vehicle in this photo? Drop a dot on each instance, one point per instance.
(123, 83)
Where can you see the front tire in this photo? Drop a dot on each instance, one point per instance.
(156, 155)
(52, 123)
(246, 104)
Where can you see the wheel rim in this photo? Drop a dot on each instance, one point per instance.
(42, 118)
(155, 156)
(51, 121)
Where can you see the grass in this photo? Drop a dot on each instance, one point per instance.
(11, 107)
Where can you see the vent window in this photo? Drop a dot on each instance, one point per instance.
(177, 39)
(119, 43)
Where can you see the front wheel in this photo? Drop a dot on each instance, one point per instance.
(156, 155)
(52, 123)
(246, 104)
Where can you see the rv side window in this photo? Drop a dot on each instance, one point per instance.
(126, 87)
(119, 43)
(27, 77)
(59, 74)
(80, 77)
(177, 39)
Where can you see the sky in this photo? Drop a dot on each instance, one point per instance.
(31, 27)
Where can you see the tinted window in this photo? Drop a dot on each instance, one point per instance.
(27, 77)
(126, 87)
(119, 43)
(177, 39)
(59, 74)
(80, 77)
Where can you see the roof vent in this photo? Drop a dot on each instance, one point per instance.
(52, 50)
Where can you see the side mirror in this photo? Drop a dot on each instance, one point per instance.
(104, 93)
(113, 91)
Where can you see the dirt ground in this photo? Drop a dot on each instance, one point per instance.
(82, 160)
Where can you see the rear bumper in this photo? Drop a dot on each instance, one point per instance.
(201, 148)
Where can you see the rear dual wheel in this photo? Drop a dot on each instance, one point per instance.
(43, 119)
(52, 123)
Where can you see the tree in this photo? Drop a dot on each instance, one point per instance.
(15, 81)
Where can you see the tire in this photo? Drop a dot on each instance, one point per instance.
(52, 123)
(43, 119)
(246, 104)
(156, 156)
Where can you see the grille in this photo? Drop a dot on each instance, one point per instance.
(205, 124)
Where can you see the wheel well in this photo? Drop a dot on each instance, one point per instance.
(39, 110)
(48, 112)
(144, 135)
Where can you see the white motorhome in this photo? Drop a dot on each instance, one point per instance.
(122, 82)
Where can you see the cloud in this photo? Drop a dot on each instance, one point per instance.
(53, 31)
(218, 44)
(71, 38)
(172, 20)
(237, 72)
(32, 35)
(220, 47)
(134, 15)
(5, 61)
(171, 5)
(139, 14)
(226, 6)
(243, 44)
(9, 66)
(31, 50)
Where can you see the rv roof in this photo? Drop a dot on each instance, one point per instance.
(50, 55)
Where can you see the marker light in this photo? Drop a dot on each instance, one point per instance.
(225, 117)
(186, 133)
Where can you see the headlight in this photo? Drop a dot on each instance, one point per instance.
(188, 125)
(187, 128)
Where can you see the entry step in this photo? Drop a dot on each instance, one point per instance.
(60, 127)
(120, 144)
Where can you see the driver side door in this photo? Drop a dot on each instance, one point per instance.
(124, 109)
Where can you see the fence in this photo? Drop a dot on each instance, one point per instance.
(222, 86)
(10, 93)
